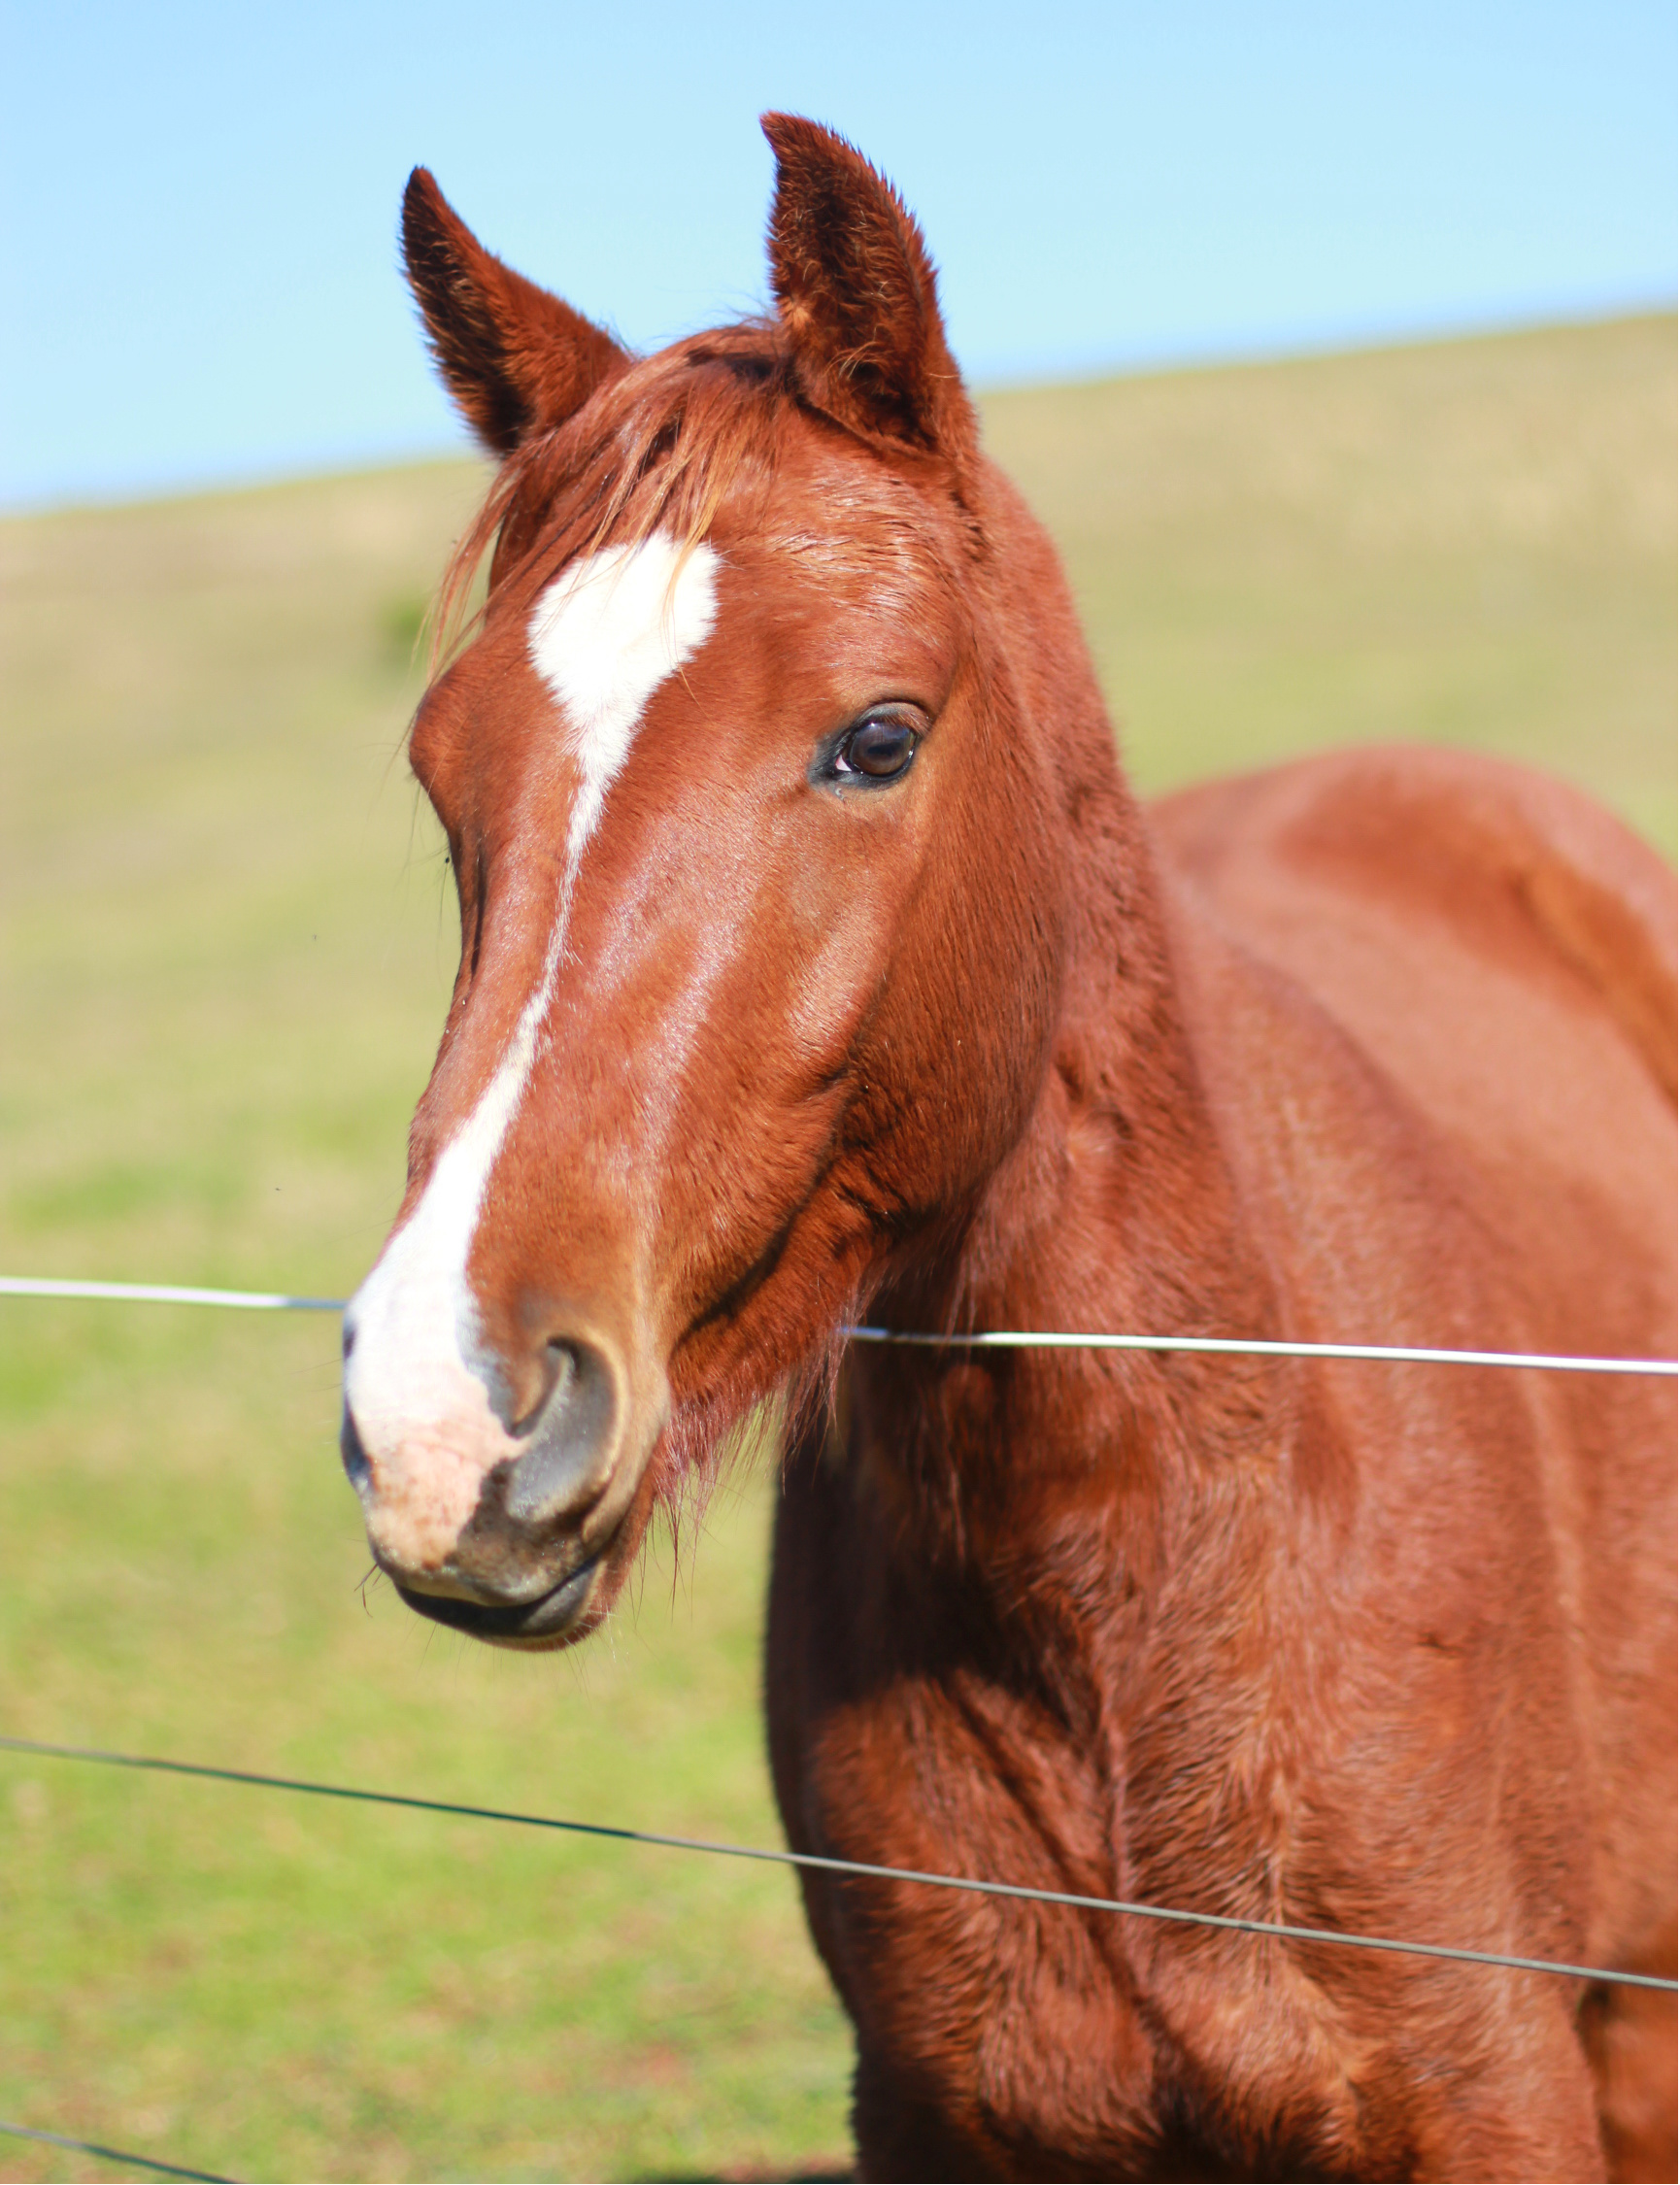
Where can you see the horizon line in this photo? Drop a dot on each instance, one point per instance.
(216, 483)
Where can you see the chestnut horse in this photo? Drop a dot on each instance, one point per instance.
(816, 962)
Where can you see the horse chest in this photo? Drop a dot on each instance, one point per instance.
(1027, 2036)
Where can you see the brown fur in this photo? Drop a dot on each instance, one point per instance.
(517, 360)
(1377, 1048)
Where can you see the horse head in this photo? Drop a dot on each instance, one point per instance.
(749, 812)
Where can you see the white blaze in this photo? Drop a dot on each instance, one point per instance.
(603, 637)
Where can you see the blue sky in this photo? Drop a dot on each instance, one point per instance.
(200, 200)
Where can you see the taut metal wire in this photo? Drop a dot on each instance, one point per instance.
(995, 1339)
(814, 1861)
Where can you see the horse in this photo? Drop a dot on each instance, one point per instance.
(816, 962)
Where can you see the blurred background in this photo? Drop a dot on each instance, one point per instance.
(1336, 346)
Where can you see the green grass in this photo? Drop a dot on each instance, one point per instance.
(225, 945)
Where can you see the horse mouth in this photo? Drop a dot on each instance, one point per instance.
(550, 1616)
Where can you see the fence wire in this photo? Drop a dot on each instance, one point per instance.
(117, 2155)
(991, 1340)
(817, 1861)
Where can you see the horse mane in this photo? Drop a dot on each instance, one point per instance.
(660, 446)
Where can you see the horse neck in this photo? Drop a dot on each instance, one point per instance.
(1115, 1211)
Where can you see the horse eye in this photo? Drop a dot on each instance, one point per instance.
(882, 747)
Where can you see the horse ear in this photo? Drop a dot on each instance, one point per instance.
(516, 358)
(856, 291)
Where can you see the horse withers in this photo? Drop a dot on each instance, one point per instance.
(817, 963)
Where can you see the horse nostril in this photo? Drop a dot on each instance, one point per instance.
(572, 1430)
(556, 1367)
(354, 1457)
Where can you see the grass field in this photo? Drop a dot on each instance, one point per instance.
(225, 945)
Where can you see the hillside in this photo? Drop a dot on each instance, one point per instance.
(227, 939)
(1468, 542)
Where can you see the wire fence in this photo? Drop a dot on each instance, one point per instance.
(246, 1300)
(774, 1855)
(991, 1340)
(119, 2155)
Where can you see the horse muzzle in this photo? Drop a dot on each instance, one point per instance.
(546, 1619)
(493, 1493)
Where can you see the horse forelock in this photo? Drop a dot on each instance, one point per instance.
(662, 447)
(657, 449)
